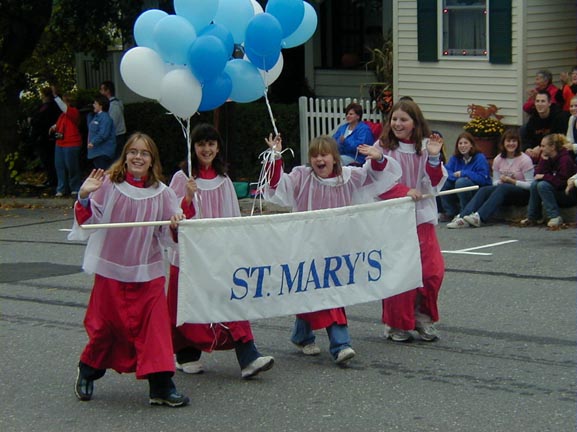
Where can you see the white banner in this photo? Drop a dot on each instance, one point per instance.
(266, 266)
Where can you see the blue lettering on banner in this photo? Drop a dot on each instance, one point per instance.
(336, 271)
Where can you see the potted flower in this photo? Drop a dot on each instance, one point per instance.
(485, 125)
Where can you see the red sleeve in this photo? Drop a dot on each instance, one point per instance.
(435, 173)
(397, 191)
(81, 213)
(378, 166)
(188, 209)
(276, 173)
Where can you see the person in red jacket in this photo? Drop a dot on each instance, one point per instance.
(543, 81)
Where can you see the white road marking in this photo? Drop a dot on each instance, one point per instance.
(468, 250)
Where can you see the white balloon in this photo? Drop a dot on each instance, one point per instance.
(180, 92)
(271, 75)
(257, 7)
(142, 69)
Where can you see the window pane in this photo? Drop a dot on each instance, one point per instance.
(465, 28)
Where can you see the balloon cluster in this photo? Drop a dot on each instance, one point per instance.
(187, 61)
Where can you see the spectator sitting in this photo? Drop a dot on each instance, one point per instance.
(543, 81)
(572, 127)
(513, 173)
(552, 173)
(352, 134)
(548, 118)
(569, 90)
(467, 167)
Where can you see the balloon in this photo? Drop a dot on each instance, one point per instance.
(305, 30)
(235, 16)
(223, 34)
(142, 69)
(215, 92)
(263, 34)
(262, 62)
(180, 93)
(207, 57)
(198, 12)
(247, 84)
(273, 73)
(289, 13)
(144, 26)
(257, 7)
(173, 35)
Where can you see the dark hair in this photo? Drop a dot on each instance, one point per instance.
(421, 130)
(545, 92)
(108, 85)
(47, 92)
(469, 137)
(357, 108)
(510, 134)
(103, 101)
(117, 170)
(407, 98)
(205, 132)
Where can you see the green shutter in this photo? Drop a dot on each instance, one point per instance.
(500, 38)
(427, 34)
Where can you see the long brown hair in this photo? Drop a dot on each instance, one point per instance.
(117, 170)
(510, 134)
(421, 129)
(325, 144)
(469, 137)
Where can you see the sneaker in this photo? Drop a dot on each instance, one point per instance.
(397, 335)
(427, 332)
(555, 222)
(261, 364)
(458, 222)
(528, 222)
(173, 400)
(193, 367)
(83, 388)
(473, 219)
(59, 195)
(74, 194)
(345, 355)
(310, 349)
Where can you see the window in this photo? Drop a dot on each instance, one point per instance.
(469, 28)
(464, 25)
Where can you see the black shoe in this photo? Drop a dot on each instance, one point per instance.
(174, 400)
(83, 388)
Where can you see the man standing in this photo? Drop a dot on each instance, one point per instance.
(116, 112)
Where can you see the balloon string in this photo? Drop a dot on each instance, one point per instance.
(268, 157)
(270, 111)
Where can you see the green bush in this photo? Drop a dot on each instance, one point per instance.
(243, 128)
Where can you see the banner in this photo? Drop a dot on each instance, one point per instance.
(248, 268)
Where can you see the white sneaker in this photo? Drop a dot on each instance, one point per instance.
(193, 367)
(58, 194)
(310, 349)
(473, 219)
(345, 355)
(458, 222)
(555, 222)
(261, 364)
(428, 332)
(397, 335)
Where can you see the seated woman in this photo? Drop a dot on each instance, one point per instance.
(512, 176)
(352, 134)
(467, 167)
(552, 173)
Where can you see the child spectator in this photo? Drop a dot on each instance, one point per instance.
(215, 198)
(327, 184)
(552, 173)
(127, 318)
(467, 167)
(407, 139)
(512, 176)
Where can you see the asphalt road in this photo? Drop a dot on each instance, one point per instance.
(506, 360)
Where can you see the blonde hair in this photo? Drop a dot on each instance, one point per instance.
(117, 170)
(556, 140)
(323, 145)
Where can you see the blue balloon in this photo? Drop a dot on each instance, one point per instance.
(173, 36)
(198, 12)
(247, 84)
(215, 92)
(144, 26)
(289, 13)
(305, 30)
(235, 16)
(263, 34)
(207, 57)
(262, 62)
(223, 34)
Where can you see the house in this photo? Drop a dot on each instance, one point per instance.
(447, 54)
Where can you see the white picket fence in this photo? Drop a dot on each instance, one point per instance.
(323, 116)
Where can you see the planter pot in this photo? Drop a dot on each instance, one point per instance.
(488, 145)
